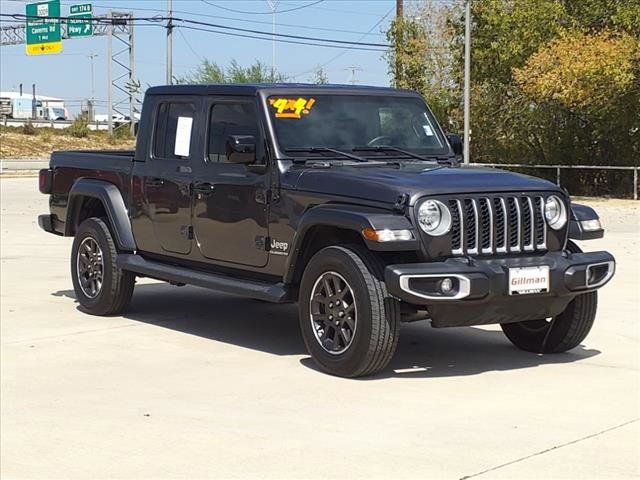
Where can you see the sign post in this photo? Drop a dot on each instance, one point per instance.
(80, 24)
(43, 28)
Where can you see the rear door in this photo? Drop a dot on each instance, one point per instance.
(165, 178)
(231, 200)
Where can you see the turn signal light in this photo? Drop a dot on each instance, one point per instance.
(591, 225)
(387, 235)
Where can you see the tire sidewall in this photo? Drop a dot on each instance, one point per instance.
(92, 228)
(337, 260)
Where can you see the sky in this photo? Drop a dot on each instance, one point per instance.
(68, 74)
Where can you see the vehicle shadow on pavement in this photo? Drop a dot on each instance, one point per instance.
(423, 352)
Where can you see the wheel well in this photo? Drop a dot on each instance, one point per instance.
(87, 207)
(319, 237)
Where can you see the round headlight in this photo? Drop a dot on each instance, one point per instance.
(555, 212)
(434, 217)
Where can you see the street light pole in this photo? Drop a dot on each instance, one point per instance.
(273, 5)
(92, 101)
(467, 79)
(91, 56)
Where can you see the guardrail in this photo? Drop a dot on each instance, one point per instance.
(558, 168)
(57, 124)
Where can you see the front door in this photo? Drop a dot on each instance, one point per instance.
(230, 200)
(165, 180)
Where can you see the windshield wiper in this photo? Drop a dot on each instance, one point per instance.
(326, 149)
(389, 148)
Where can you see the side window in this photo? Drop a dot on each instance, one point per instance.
(172, 135)
(230, 119)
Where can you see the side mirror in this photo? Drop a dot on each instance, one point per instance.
(241, 149)
(456, 143)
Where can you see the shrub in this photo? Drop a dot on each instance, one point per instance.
(29, 129)
(79, 128)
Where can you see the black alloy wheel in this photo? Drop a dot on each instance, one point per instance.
(100, 286)
(90, 267)
(333, 313)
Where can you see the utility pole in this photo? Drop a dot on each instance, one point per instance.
(273, 5)
(467, 79)
(169, 78)
(353, 69)
(399, 17)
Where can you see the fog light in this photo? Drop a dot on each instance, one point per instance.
(446, 285)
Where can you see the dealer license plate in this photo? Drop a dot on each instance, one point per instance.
(527, 280)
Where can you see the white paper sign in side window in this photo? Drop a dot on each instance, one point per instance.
(183, 136)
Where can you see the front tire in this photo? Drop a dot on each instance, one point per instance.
(349, 323)
(100, 286)
(561, 333)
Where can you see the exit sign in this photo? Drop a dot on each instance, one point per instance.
(80, 20)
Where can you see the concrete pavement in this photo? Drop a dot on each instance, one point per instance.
(194, 384)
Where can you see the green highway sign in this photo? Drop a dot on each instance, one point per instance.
(80, 24)
(43, 34)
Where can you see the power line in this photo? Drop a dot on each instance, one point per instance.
(145, 9)
(300, 7)
(200, 29)
(189, 45)
(284, 35)
(334, 58)
(158, 18)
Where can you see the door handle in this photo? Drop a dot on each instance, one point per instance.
(204, 189)
(154, 182)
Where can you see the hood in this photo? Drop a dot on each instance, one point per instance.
(383, 183)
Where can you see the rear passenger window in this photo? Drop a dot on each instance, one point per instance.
(173, 131)
(230, 119)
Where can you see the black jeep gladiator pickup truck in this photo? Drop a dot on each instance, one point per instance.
(347, 200)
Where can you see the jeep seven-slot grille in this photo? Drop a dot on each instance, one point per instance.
(497, 225)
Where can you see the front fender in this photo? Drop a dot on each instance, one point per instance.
(113, 203)
(355, 218)
(584, 223)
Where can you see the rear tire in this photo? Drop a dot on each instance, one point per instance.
(563, 332)
(100, 286)
(349, 323)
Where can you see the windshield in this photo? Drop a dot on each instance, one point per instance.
(348, 122)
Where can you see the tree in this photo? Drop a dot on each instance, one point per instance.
(319, 76)
(581, 71)
(552, 81)
(406, 57)
(422, 56)
(211, 72)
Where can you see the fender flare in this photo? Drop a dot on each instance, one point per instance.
(350, 217)
(581, 213)
(111, 198)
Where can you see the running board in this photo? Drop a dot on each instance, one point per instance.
(270, 292)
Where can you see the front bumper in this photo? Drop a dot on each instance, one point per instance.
(481, 290)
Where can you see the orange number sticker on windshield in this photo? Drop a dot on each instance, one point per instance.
(291, 107)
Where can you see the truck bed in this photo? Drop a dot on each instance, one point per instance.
(113, 166)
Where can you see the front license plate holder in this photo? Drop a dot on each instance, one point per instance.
(528, 280)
